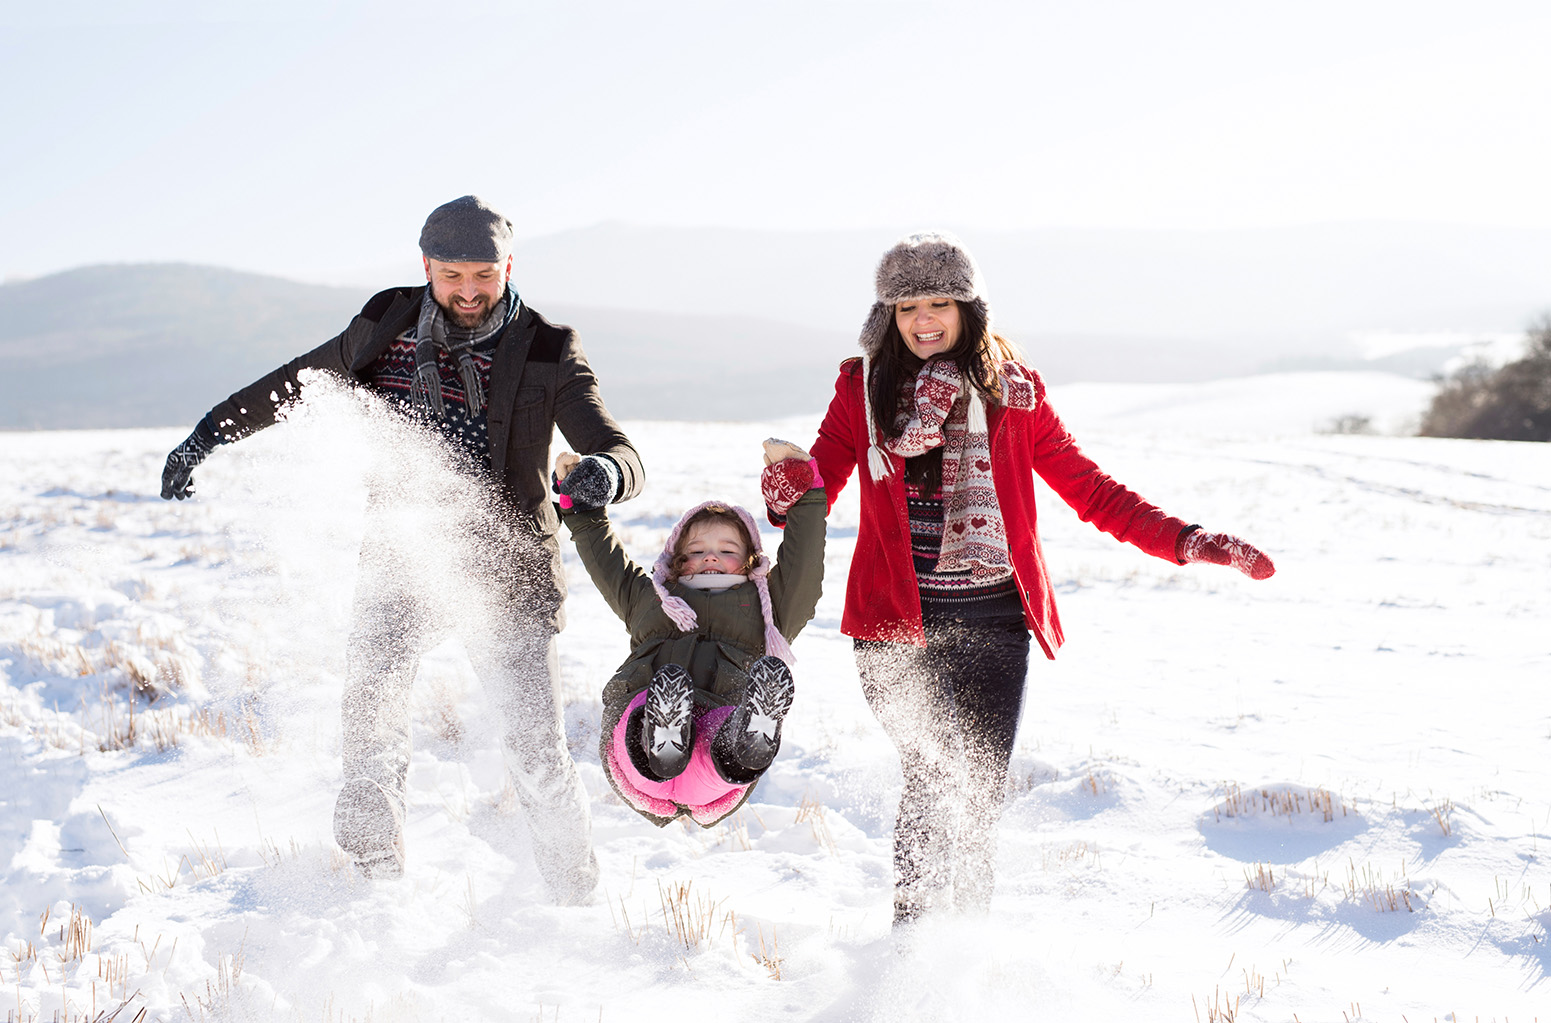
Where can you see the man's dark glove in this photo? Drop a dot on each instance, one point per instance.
(591, 483)
(178, 474)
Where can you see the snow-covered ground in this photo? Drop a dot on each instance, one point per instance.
(1315, 798)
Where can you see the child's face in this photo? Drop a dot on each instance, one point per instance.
(712, 546)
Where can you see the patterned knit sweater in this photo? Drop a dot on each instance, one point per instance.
(394, 370)
(951, 595)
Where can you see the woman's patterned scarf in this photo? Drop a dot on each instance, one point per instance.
(943, 411)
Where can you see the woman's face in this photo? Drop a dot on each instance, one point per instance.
(930, 326)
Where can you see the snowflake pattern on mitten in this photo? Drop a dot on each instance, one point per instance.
(782, 483)
(1224, 549)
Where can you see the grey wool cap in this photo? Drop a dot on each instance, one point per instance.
(466, 230)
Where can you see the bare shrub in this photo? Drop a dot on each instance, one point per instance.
(1511, 402)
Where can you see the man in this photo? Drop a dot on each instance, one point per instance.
(468, 359)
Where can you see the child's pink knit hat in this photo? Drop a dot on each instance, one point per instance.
(683, 615)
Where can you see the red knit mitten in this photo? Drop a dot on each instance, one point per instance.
(1197, 545)
(783, 482)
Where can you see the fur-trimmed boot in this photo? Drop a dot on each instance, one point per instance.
(666, 730)
(749, 740)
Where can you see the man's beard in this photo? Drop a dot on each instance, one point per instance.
(467, 320)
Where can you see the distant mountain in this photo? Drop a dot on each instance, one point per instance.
(151, 345)
(159, 344)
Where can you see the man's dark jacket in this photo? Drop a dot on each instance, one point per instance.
(539, 379)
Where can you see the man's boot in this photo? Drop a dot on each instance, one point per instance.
(369, 825)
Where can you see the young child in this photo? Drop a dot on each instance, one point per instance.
(693, 717)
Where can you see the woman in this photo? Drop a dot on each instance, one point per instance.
(948, 579)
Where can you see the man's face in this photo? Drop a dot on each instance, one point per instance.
(467, 291)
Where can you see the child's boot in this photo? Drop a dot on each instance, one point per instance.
(751, 737)
(665, 731)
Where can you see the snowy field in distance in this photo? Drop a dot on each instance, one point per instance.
(1317, 798)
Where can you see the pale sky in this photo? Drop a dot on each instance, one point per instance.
(305, 138)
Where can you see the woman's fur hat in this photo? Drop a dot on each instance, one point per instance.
(926, 265)
(682, 615)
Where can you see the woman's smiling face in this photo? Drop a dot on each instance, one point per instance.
(930, 326)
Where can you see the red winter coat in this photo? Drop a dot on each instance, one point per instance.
(882, 599)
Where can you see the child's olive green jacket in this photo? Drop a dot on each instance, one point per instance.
(730, 634)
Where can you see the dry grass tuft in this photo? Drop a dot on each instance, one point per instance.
(739, 831)
(1074, 854)
(73, 945)
(1368, 887)
(273, 856)
(736, 833)
(216, 1002)
(75, 936)
(769, 956)
(1219, 1010)
(1019, 784)
(1264, 877)
(118, 721)
(1442, 813)
(122, 729)
(55, 655)
(26, 952)
(812, 811)
(1284, 802)
(691, 917)
(154, 664)
(200, 863)
(1254, 982)
(693, 922)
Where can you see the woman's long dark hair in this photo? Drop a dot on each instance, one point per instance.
(979, 355)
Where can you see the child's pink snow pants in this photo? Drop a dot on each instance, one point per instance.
(700, 789)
